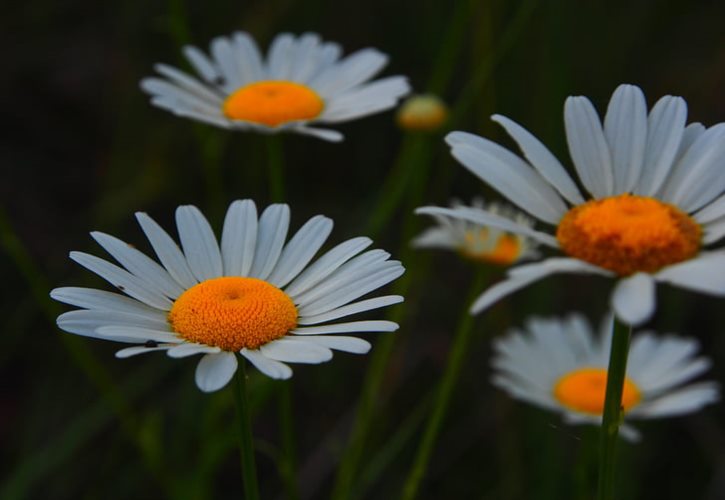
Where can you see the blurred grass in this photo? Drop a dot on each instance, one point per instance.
(85, 150)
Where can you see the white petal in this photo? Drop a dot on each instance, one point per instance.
(508, 174)
(327, 264)
(201, 63)
(226, 60)
(357, 307)
(280, 57)
(351, 71)
(365, 100)
(696, 178)
(123, 280)
(633, 299)
(357, 268)
(214, 371)
(435, 237)
(705, 274)
(89, 298)
(521, 276)
(300, 249)
(351, 327)
(321, 133)
(625, 128)
(353, 345)
(349, 292)
(140, 349)
(188, 83)
(483, 218)
(588, 147)
(199, 244)
(167, 94)
(140, 334)
(141, 266)
(686, 400)
(239, 238)
(273, 225)
(711, 212)
(86, 323)
(249, 59)
(190, 349)
(665, 128)
(167, 251)
(296, 351)
(541, 158)
(714, 231)
(269, 367)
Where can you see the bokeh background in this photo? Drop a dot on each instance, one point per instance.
(83, 150)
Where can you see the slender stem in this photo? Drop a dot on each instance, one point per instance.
(246, 445)
(456, 357)
(612, 417)
(275, 168)
(288, 461)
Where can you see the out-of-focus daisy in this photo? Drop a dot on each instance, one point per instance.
(251, 293)
(424, 112)
(478, 242)
(302, 81)
(561, 365)
(656, 198)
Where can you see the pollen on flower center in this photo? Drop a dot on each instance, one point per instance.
(583, 391)
(628, 233)
(273, 103)
(479, 245)
(233, 313)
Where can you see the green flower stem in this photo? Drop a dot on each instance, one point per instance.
(246, 444)
(288, 459)
(275, 168)
(456, 356)
(613, 414)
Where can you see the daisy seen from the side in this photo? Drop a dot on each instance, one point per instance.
(251, 293)
(301, 82)
(655, 200)
(561, 365)
(477, 242)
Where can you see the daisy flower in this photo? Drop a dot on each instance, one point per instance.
(560, 365)
(302, 81)
(250, 294)
(478, 242)
(654, 200)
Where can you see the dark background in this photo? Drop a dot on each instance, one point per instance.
(82, 149)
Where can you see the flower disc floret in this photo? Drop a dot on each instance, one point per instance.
(628, 234)
(273, 103)
(583, 391)
(233, 313)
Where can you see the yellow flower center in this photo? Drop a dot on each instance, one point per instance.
(273, 103)
(232, 313)
(479, 247)
(628, 233)
(583, 391)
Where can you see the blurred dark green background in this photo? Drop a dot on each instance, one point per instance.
(83, 149)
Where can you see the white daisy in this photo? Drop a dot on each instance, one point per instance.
(656, 198)
(560, 365)
(251, 294)
(302, 81)
(478, 242)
